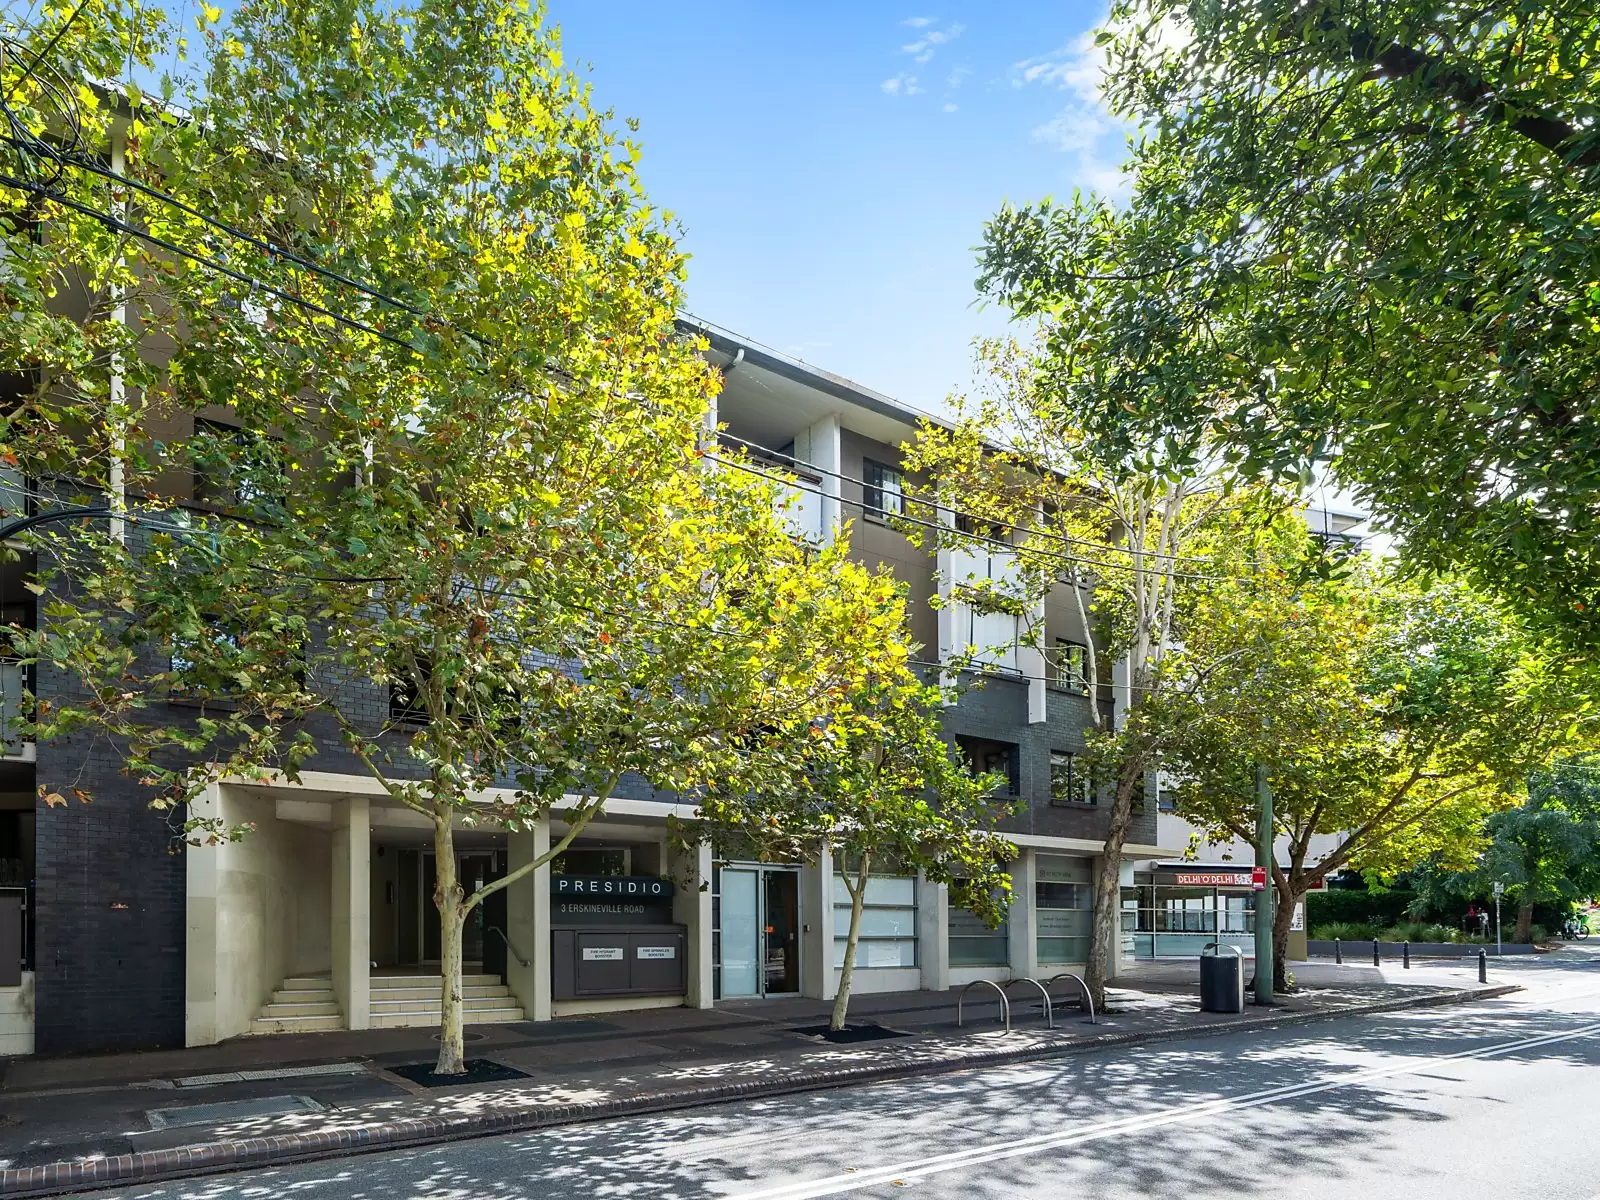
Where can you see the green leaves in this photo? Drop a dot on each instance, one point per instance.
(1374, 245)
(464, 526)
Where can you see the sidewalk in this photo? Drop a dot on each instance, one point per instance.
(71, 1124)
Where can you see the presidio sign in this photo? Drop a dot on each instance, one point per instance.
(645, 888)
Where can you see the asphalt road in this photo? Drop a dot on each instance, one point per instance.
(1491, 1100)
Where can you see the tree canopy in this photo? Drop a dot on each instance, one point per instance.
(1358, 234)
(1392, 721)
(371, 352)
(1023, 497)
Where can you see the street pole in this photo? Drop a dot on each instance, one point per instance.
(1499, 949)
(1264, 896)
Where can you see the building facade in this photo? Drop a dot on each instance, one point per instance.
(322, 917)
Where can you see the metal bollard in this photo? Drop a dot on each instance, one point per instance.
(1483, 966)
(1338, 954)
(1376, 960)
(1405, 955)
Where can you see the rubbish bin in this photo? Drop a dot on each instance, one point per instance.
(1221, 979)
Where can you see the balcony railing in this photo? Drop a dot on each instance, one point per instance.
(14, 680)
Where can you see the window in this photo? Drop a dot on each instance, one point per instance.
(884, 491)
(234, 467)
(1072, 666)
(971, 942)
(1000, 758)
(1064, 904)
(200, 662)
(888, 935)
(1071, 781)
(592, 860)
(406, 702)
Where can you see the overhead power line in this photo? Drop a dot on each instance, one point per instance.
(945, 529)
(920, 498)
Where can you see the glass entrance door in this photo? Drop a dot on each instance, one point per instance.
(781, 936)
(758, 925)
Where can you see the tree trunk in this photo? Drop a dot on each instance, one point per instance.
(858, 896)
(450, 901)
(1105, 934)
(1524, 931)
(1282, 918)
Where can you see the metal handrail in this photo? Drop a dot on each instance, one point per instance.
(1005, 1004)
(1088, 996)
(510, 949)
(1049, 1015)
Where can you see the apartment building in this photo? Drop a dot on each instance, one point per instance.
(322, 917)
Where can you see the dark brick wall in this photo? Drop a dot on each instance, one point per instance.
(999, 710)
(110, 912)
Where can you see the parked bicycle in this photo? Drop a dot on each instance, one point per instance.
(1575, 928)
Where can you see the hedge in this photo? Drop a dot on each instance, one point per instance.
(1352, 906)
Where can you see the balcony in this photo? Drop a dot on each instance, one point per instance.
(800, 502)
(994, 636)
(14, 680)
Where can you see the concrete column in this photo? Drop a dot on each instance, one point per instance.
(202, 867)
(820, 446)
(1031, 662)
(933, 935)
(691, 908)
(1121, 690)
(944, 566)
(1124, 956)
(352, 911)
(1024, 941)
(528, 922)
(817, 972)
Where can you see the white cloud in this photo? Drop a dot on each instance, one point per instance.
(951, 107)
(924, 48)
(1083, 129)
(955, 78)
(1072, 129)
(1077, 67)
(919, 22)
(901, 85)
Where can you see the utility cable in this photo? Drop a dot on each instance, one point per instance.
(112, 221)
(921, 498)
(944, 529)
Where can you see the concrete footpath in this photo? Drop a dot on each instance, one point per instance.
(70, 1125)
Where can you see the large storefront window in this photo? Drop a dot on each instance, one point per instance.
(888, 935)
(972, 943)
(1065, 906)
(1175, 921)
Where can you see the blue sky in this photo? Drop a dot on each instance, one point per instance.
(832, 163)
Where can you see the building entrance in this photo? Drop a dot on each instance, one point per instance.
(758, 931)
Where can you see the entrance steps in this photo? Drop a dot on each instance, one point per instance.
(404, 1000)
(304, 1004)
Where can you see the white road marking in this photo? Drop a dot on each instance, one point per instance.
(937, 1164)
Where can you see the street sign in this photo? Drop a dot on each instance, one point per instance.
(1258, 879)
(1499, 889)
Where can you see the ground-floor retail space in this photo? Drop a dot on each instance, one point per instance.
(323, 917)
(1174, 909)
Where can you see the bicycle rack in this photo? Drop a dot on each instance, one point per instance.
(1088, 998)
(1049, 1015)
(1005, 1004)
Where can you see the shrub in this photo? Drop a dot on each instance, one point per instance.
(1411, 931)
(1345, 931)
(1341, 905)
